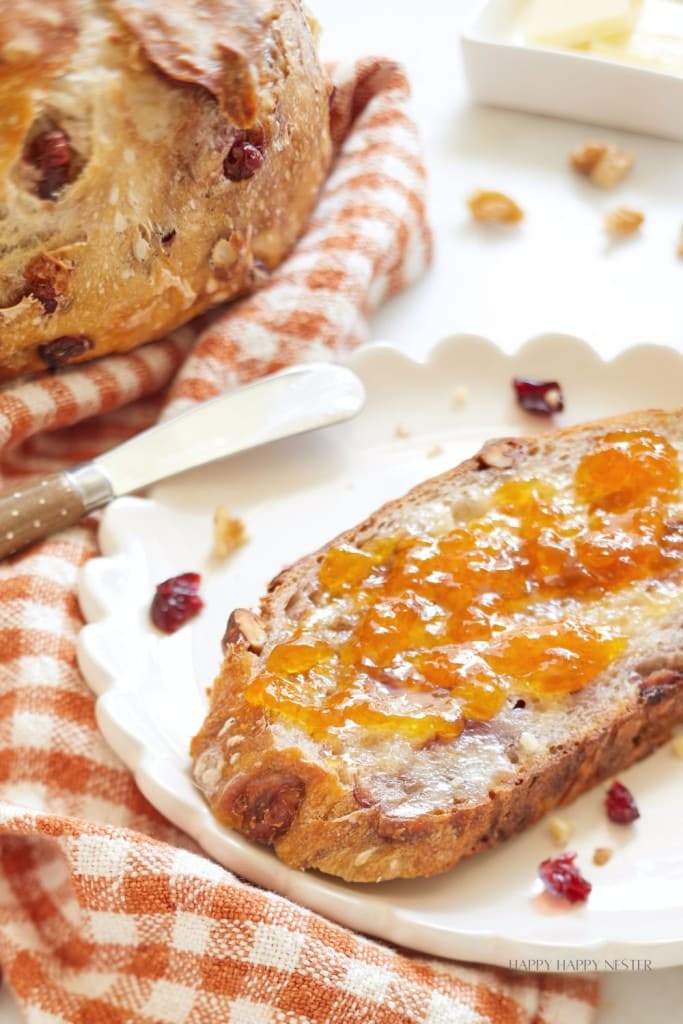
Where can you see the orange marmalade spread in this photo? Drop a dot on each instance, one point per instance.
(534, 597)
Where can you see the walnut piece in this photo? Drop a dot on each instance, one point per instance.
(229, 533)
(496, 455)
(606, 166)
(623, 221)
(586, 156)
(243, 625)
(494, 208)
(601, 855)
(561, 830)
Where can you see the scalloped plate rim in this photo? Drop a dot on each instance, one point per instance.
(321, 894)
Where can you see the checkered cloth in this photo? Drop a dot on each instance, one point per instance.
(109, 915)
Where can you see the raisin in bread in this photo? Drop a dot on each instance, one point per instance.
(156, 158)
(469, 657)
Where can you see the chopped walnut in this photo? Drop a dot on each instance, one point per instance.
(601, 855)
(623, 221)
(585, 157)
(229, 533)
(494, 208)
(561, 830)
(611, 169)
(606, 166)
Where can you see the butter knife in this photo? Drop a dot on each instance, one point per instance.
(291, 402)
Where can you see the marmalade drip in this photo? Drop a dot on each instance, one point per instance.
(422, 633)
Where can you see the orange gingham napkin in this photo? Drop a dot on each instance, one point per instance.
(109, 915)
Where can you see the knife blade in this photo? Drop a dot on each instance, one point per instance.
(291, 402)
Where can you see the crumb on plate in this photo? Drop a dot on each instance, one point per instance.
(435, 451)
(229, 533)
(561, 830)
(459, 396)
(402, 431)
(601, 855)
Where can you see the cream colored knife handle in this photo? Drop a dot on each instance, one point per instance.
(33, 510)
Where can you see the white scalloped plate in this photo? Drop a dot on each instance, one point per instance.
(294, 495)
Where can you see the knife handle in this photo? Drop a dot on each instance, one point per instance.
(32, 511)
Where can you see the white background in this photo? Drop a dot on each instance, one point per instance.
(557, 272)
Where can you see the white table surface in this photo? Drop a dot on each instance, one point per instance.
(555, 273)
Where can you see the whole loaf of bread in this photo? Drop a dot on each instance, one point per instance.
(156, 157)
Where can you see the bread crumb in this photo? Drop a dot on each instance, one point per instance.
(604, 165)
(528, 743)
(435, 451)
(401, 431)
(459, 397)
(494, 208)
(561, 830)
(601, 855)
(623, 221)
(677, 746)
(229, 533)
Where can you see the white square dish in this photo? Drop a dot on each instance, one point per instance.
(503, 69)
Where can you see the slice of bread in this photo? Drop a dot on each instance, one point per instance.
(541, 652)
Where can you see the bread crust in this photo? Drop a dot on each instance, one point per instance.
(332, 820)
(148, 228)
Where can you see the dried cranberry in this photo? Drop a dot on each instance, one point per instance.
(541, 396)
(621, 807)
(244, 158)
(45, 293)
(176, 601)
(561, 876)
(50, 152)
(63, 350)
